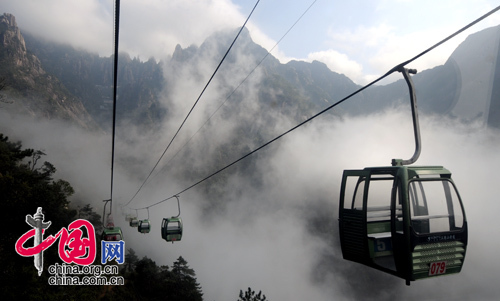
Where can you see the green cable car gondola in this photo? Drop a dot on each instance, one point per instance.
(144, 226)
(110, 232)
(407, 221)
(171, 228)
(134, 222)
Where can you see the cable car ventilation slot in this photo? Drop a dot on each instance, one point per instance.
(452, 252)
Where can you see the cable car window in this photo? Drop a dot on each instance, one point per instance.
(435, 206)
(418, 198)
(379, 198)
(355, 186)
(173, 226)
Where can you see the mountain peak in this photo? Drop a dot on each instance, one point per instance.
(8, 19)
(10, 34)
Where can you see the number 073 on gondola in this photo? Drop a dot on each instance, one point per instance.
(408, 221)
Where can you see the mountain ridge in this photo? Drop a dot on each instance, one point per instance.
(296, 89)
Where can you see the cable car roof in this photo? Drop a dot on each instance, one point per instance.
(114, 230)
(414, 170)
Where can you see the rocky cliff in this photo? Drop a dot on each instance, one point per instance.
(28, 87)
(90, 77)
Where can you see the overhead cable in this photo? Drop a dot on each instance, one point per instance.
(196, 102)
(115, 81)
(239, 85)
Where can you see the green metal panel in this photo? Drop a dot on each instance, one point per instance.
(112, 234)
(353, 236)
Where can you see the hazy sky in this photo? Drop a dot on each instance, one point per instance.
(362, 39)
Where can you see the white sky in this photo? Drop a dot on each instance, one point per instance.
(362, 39)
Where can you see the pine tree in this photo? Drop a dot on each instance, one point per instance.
(251, 296)
(185, 278)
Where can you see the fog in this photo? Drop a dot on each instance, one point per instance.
(263, 239)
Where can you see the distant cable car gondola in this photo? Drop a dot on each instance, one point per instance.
(171, 228)
(407, 221)
(144, 226)
(110, 232)
(134, 222)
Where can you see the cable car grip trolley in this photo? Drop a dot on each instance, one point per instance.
(408, 221)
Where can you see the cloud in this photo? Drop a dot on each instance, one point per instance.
(340, 63)
(399, 30)
(154, 28)
(380, 48)
(83, 24)
(147, 28)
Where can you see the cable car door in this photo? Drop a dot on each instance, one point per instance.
(365, 221)
(352, 219)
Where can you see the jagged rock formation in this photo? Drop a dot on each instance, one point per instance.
(296, 89)
(90, 78)
(28, 87)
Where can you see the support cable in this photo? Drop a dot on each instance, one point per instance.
(196, 102)
(115, 80)
(239, 85)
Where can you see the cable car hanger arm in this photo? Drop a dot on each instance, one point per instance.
(414, 113)
(178, 206)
